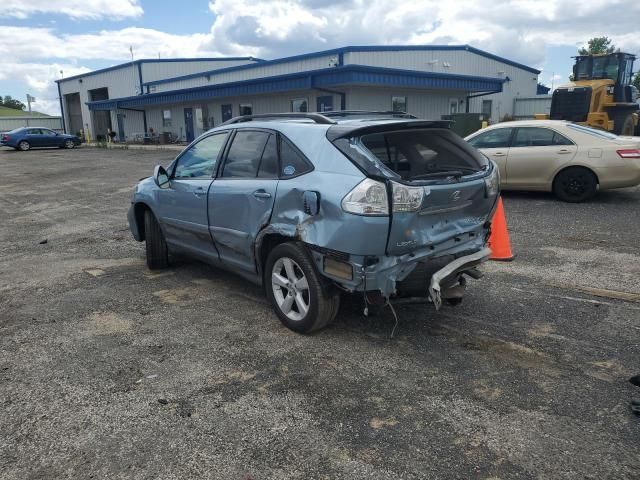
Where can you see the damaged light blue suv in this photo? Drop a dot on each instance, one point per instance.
(312, 205)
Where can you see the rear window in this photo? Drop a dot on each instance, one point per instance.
(592, 131)
(413, 155)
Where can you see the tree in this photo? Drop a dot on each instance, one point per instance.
(598, 45)
(12, 103)
(636, 80)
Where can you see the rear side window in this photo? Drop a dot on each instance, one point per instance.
(421, 154)
(292, 161)
(497, 138)
(243, 159)
(539, 137)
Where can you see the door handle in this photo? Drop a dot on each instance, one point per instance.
(499, 154)
(564, 150)
(261, 194)
(198, 192)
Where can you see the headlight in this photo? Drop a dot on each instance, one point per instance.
(405, 198)
(492, 181)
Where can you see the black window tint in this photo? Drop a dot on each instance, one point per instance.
(200, 160)
(269, 163)
(244, 155)
(533, 137)
(498, 138)
(291, 160)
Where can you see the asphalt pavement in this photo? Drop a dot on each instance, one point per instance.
(109, 370)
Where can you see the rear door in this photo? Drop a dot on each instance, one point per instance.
(495, 144)
(242, 196)
(182, 207)
(535, 155)
(35, 137)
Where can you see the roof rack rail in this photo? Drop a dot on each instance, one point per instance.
(316, 117)
(344, 113)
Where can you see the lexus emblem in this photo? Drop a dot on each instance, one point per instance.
(455, 196)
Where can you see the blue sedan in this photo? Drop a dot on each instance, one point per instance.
(26, 138)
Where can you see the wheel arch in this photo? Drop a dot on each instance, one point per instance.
(139, 209)
(573, 165)
(267, 239)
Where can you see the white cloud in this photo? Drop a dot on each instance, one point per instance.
(78, 9)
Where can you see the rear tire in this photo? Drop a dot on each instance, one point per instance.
(302, 299)
(156, 246)
(623, 124)
(24, 146)
(575, 184)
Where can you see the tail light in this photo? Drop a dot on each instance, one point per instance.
(405, 198)
(369, 197)
(630, 153)
(5, 138)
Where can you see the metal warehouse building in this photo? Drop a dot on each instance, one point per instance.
(188, 96)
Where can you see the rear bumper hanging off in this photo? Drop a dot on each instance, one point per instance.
(454, 268)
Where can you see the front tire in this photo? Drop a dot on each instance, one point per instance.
(24, 146)
(575, 184)
(69, 144)
(301, 298)
(156, 246)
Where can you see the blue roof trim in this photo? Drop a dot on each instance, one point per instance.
(326, 77)
(340, 53)
(158, 60)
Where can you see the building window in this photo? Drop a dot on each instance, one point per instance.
(299, 105)
(399, 104)
(487, 106)
(246, 109)
(166, 118)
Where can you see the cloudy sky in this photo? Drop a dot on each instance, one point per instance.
(40, 38)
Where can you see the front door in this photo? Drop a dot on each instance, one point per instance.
(227, 112)
(183, 206)
(242, 196)
(324, 103)
(120, 118)
(535, 155)
(188, 124)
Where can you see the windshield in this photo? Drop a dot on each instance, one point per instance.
(593, 68)
(414, 155)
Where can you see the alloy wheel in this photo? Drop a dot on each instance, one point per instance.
(290, 288)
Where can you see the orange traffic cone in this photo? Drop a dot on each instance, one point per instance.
(499, 242)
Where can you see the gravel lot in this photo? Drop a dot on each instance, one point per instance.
(108, 370)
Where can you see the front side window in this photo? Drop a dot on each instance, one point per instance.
(497, 138)
(246, 109)
(166, 118)
(300, 105)
(201, 159)
(243, 159)
(399, 104)
(538, 137)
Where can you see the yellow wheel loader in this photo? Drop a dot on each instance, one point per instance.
(601, 94)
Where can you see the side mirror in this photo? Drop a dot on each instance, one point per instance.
(161, 177)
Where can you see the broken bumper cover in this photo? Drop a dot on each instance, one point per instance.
(453, 269)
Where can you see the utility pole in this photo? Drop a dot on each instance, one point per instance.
(131, 50)
(30, 100)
